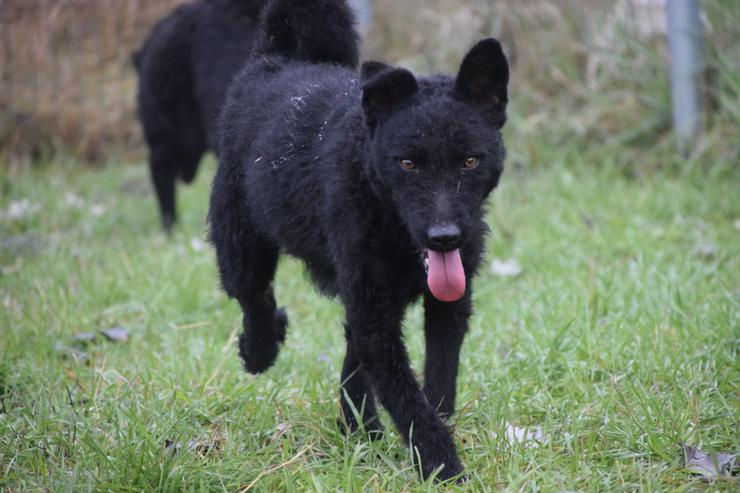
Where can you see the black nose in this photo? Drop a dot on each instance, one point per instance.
(444, 238)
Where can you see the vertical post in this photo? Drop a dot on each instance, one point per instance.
(364, 12)
(687, 66)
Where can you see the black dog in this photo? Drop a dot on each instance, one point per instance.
(379, 186)
(185, 67)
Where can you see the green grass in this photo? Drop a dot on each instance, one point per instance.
(620, 339)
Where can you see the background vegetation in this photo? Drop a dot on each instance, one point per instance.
(593, 71)
(67, 83)
(618, 339)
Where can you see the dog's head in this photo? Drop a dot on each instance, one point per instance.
(436, 153)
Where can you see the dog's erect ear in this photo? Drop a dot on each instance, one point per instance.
(384, 90)
(483, 76)
(372, 68)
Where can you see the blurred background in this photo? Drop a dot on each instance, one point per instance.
(584, 72)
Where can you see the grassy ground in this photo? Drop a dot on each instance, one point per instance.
(620, 339)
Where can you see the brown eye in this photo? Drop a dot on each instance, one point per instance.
(408, 164)
(471, 162)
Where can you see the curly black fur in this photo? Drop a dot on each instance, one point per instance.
(185, 67)
(310, 165)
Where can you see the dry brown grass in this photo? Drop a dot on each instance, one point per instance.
(586, 69)
(588, 72)
(66, 79)
(563, 52)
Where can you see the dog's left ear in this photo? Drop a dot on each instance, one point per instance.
(484, 75)
(384, 90)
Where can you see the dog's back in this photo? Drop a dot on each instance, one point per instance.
(296, 87)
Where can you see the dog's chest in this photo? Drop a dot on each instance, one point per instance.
(400, 276)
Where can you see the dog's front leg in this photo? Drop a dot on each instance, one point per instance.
(376, 337)
(445, 325)
(356, 396)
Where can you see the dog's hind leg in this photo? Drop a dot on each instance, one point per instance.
(192, 147)
(445, 325)
(264, 323)
(164, 172)
(246, 264)
(356, 395)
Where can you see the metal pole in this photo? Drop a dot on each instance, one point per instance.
(687, 67)
(364, 11)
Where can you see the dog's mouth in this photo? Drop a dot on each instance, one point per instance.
(445, 274)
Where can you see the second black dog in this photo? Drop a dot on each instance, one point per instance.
(378, 183)
(185, 67)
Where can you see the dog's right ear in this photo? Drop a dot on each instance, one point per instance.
(483, 77)
(383, 90)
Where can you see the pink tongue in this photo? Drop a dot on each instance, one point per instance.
(446, 276)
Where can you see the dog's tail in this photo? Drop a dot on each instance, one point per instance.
(315, 31)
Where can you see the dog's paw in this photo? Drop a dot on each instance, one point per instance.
(452, 470)
(259, 346)
(257, 360)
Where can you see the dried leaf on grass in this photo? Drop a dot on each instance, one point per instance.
(202, 446)
(205, 446)
(709, 465)
(116, 334)
(81, 340)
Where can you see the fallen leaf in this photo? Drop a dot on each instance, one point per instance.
(84, 338)
(172, 446)
(116, 334)
(204, 447)
(709, 465)
(506, 268)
